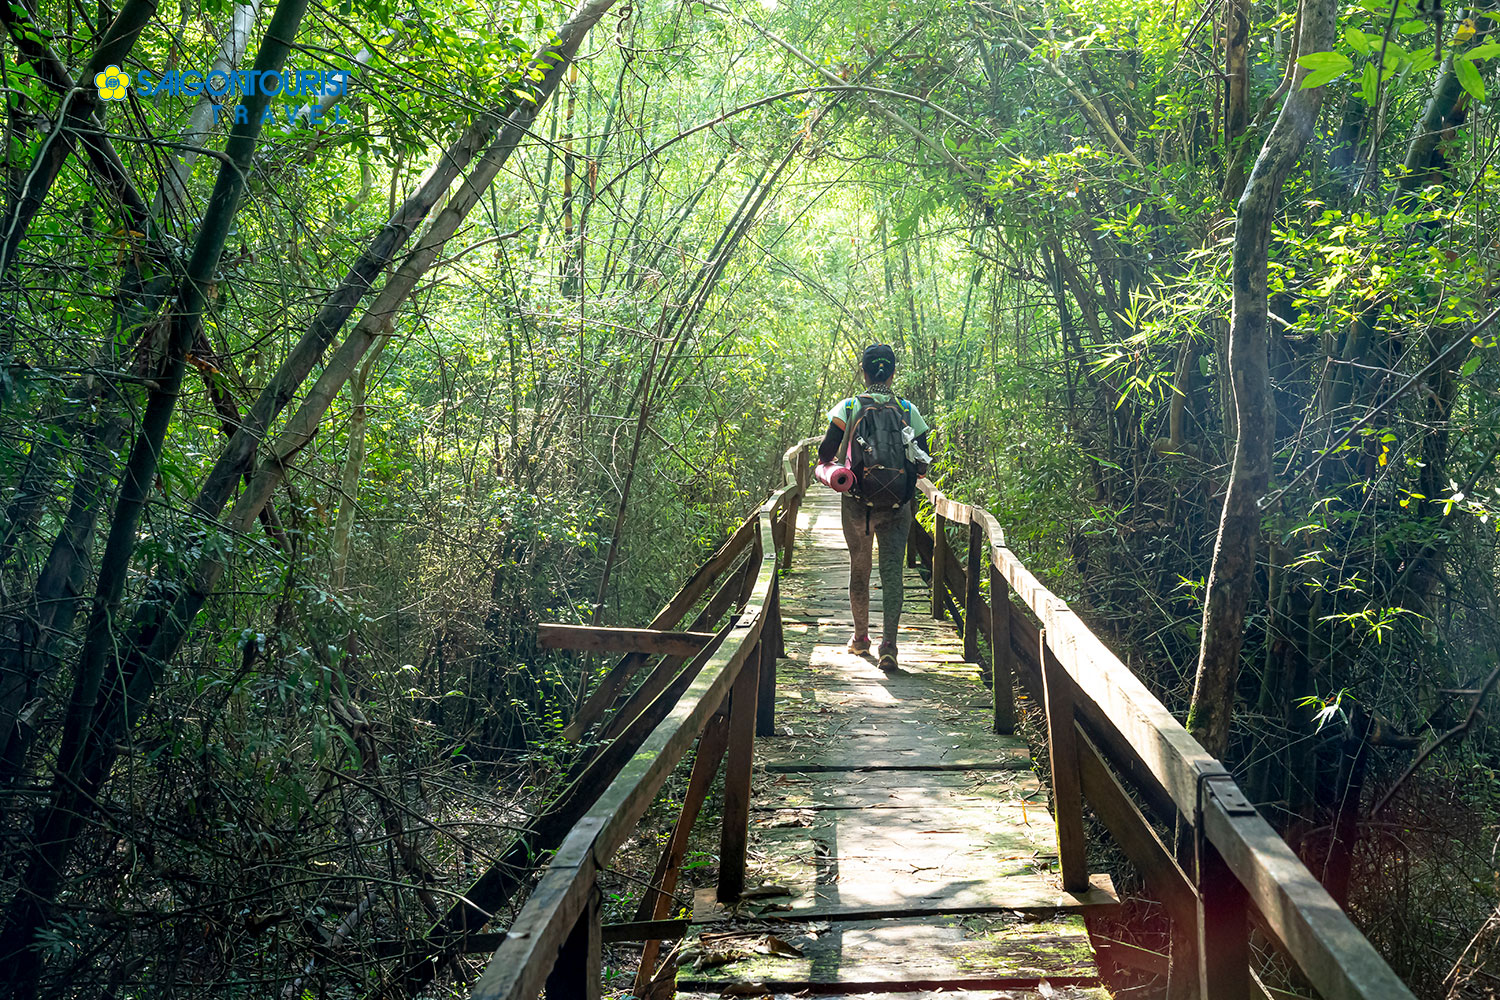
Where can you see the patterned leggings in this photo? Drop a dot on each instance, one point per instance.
(862, 528)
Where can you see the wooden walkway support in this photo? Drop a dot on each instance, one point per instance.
(889, 813)
(895, 841)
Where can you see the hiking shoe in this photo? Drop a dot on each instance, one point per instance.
(888, 659)
(859, 645)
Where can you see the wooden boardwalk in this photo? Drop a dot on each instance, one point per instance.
(899, 845)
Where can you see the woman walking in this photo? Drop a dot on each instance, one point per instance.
(862, 432)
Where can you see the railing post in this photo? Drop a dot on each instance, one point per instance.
(1001, 672)
(1067, 783)
(735, 836)
(939, 563)
(1223, 930)
(971, 591)
(772, 647)
(578, 970)
(789, 532)
(789, 535)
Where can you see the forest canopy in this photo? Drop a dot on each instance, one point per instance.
(341, 345)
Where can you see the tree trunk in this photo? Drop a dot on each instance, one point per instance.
(75, 118)
(1231, 579)
(1237, 105)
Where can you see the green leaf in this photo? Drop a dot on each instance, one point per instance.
(1323, 68)
(1486, 51)
(1369, 84)
(1412, 28)
(1325, 60)
(1421, 60)
(1471, 366)
(1468, 78)
(1358, 41)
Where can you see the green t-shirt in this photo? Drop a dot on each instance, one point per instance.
(848, 409)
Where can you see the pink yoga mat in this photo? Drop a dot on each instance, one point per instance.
(838, 478)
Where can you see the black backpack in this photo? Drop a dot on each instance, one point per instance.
(883, 476)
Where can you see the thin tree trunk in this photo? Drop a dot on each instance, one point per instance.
(75, 118)
(569, 286)
(84, 730)
(1231, 578)
(353, 464)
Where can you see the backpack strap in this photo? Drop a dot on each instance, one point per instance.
(848, 424)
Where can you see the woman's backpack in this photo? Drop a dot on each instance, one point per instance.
(884, 476)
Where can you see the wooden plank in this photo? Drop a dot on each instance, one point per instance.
(1317, 935)
(1032, 895)
(889, 763)
(633, 930)
(734, 589)
(655, 698)
(962, 987)
(947, 507)
(1025, 639)
(578, 970)
(957, 950)
(1133, 832)
(711, 745)
(614, 682)
(1000, 793)
(773, 648)
(1176, 760)
(765, 714)
(602, 639)
(953, 576)
(735, 834)
(603, 695)
(539, 931)
(1067, 788)
(1132, 956)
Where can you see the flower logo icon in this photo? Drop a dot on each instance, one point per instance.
(112, 83)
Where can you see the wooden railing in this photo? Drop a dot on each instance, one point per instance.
(721, 697)
(1106, 732)
(1229, 873)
